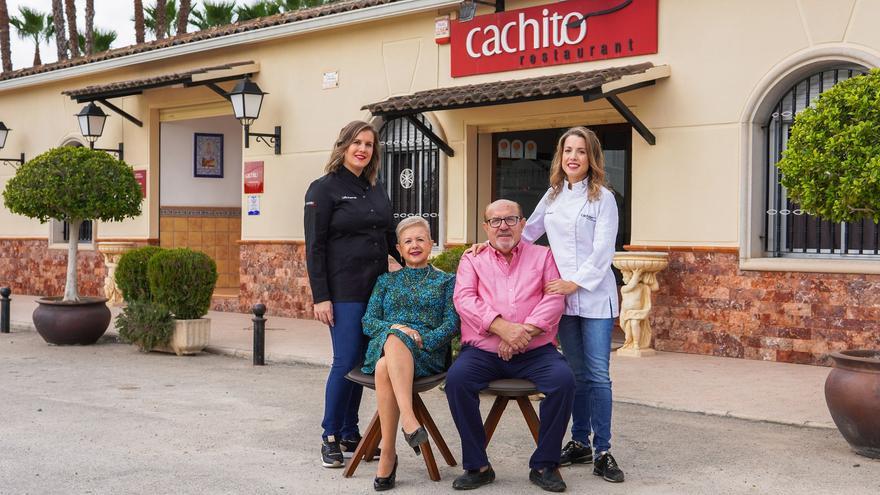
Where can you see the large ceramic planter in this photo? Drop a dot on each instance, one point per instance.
(189, 337)
(71, 323)
(852, 392)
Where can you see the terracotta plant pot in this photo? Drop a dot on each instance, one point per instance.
(71, 323)
(852, 392)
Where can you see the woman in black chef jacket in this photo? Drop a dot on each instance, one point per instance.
(349, 234)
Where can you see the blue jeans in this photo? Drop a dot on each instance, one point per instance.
(342, 398)
(586, 344)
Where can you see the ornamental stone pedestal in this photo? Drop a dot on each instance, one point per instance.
(639, 269)
(112, 251)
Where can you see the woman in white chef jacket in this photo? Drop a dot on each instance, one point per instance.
(579, 215)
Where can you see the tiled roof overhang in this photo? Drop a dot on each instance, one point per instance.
(591, 85)
(218, 73)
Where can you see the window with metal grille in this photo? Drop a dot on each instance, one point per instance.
(788, 230)
(60, 232)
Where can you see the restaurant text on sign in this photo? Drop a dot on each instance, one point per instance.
(562, 33)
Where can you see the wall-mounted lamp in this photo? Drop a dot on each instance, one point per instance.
(4, 132)
(247, 100)
(91, 126)
(467, 9)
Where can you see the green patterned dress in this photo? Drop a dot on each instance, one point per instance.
(420, 298)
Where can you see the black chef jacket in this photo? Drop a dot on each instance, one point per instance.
(349, 234)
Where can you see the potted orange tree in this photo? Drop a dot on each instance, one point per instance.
(73, 185)
(831, 168)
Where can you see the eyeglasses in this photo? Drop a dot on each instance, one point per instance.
(510, 221)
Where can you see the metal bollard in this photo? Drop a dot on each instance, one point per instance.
(4, 309)
(259, 334)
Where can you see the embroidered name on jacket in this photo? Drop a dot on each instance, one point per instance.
(349, 197)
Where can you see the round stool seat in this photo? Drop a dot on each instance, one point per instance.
(511, 387)
(419, 384)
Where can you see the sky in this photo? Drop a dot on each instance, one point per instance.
(109, 14)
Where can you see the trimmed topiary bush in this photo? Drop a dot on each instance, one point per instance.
(183, 281)
(448, 259)
(131, 274)
(145, 324)
(831, 167)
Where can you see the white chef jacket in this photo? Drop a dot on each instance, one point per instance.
(582, 235)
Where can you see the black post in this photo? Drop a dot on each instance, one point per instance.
(4, 309)
(259, 334)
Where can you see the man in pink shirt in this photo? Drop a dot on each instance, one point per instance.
(508, 330)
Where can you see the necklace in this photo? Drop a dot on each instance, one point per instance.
(428, 270)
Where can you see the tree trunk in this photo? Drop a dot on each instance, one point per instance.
(139, 21)
(37, 60)
(70, 293)
(90, 27)
(72, 34)
(58, 22)
(161, 20)
(183, 16)
(5, 50)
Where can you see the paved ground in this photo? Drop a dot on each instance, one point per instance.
(108, 419)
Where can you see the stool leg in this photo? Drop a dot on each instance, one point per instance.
(425, 418)
(494, 416)
(430, 462)
(529, 414)
(373, 431)
(370, 453)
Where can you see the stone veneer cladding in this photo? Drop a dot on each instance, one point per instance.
(28, 266)
(706, 305)
(272, 273)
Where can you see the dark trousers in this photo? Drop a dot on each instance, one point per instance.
(472, 372)
(342, 398)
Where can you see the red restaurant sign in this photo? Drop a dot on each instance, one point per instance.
(253, 177)
(553, 34)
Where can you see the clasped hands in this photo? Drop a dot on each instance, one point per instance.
(411, 333)
(515, 337)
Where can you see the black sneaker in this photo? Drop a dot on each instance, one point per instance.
(331, 453)
(349, 445)
(548, 479)
(474, 479)
(606, 467)
(575, 452)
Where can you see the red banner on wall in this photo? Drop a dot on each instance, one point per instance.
(253, 177)
(141, 177)
(553, 34)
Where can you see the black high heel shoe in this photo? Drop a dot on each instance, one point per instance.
(416, 438)
(382, 484)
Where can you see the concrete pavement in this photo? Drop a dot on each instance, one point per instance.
(755, 390)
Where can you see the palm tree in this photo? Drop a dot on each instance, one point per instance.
(217, 13)
(5, 51)
(103, 40)
(183, 16)
(151, 18)
(33, 24)
(139, 21)
(72, 36)
(262, 8)
(58, 26)
(161, 20)
(90, 28)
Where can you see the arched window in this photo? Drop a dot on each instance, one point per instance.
(788, 230)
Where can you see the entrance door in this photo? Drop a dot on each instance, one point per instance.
(411, 172)
(522, 168)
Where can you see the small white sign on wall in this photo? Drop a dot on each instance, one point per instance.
(330, 80)
(253, 204)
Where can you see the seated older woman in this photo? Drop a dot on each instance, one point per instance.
(410, 320)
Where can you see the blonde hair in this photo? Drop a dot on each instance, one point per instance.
(347, 136)
(409, 222)
(595, 164)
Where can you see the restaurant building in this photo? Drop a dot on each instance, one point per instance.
(691, 100)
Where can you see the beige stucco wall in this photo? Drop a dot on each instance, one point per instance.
(689, 189)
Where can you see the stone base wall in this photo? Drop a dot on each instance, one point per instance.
(28, 266)
(706, 305)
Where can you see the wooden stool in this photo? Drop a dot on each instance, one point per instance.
(504, 391)
(366, 449)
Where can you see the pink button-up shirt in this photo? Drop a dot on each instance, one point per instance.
(487, 287)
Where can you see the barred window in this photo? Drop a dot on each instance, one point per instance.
(788, 230)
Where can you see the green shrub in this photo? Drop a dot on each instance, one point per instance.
(448, 259)
(831, 166)
(183, 281)
(145, 324)
(131, 274)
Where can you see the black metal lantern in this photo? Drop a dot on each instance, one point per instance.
(91, 122)
(247, 100)
(4, 133)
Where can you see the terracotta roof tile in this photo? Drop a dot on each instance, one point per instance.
(511, 91)
(217, 32)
